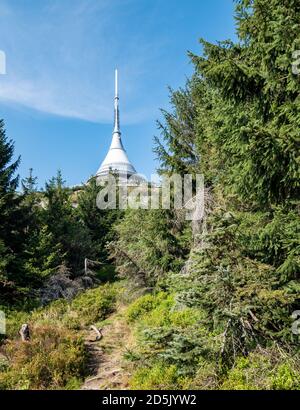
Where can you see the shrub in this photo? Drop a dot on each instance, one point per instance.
(167, 333)
(55, 356)
(158, 377)
(52, 358)
(206, 377)
(94, 304)
(286, 378)
(146, 304)
(263, 371)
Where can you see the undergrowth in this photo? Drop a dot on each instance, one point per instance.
(175, 350)
(55, 357)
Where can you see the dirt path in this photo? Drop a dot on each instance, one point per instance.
(107, 365)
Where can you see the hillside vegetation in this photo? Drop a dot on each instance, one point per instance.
(209, 304)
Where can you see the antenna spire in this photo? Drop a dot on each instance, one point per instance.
(116, 159)
(117, 114)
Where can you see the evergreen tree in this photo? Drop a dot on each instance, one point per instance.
(11, 216)
(177, 151)
(150, 243)
(42, 256)
(69, 232)
(257, 117)
(98, 222)
(31, 203)
(237, 122)
(29, 183)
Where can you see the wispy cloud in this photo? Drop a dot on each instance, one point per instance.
(61, 56)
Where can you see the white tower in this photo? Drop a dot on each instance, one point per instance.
(116, 160)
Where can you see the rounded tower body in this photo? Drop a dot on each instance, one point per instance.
(116, 160)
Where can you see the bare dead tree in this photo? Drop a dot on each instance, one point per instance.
(25, 332)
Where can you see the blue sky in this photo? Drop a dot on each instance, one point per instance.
(57, 95)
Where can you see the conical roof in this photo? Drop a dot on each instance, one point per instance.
(116, 159)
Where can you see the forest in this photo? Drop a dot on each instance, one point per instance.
(211, 308)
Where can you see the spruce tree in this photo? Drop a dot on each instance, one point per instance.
(177, 151)
(257, 117)
(29, 183)
(11, 218)
(68, 231)
(243, 130)
(99, 222)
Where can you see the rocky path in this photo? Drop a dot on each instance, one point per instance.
(107, 365)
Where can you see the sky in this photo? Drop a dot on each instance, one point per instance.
(56, 97)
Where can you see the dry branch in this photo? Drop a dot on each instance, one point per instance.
(98, 332)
